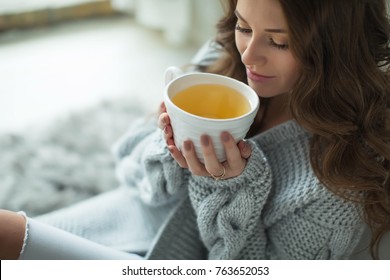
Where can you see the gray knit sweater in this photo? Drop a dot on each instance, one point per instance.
(276, 209)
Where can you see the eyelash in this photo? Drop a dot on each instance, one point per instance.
(278, 46)
(243, 30)
(271, 41)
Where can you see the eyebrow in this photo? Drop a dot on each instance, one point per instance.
(271, 30)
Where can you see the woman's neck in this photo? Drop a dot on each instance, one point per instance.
(275, 112)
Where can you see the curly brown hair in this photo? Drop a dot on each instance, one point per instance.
(342, 96)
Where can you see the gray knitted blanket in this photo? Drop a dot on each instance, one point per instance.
(46, 168)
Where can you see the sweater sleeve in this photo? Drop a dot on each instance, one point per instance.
(228, 211)
(143, 161)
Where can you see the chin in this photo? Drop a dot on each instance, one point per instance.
(262, 92)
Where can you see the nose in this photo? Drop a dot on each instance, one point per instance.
(253, 53)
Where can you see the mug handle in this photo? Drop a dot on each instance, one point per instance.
(172, 73)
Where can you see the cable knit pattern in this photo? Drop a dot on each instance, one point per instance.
(276, 209)
(228, 211)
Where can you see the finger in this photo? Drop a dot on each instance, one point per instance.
(163, 120)
(168, 135)
(162, 108)
(233, 154)
(245, 149)
(194, 165)
(178, 156)
(212, 165)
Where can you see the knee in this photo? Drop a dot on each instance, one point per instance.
(12, 230)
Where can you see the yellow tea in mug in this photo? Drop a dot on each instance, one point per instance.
(212, 101)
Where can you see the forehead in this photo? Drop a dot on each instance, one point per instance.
(262, 12)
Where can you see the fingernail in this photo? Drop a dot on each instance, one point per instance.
(225, 136)
(166, 130)
(204, 139)
(187, 145)
(245, 149)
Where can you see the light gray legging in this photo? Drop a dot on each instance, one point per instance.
(46, 242)
(117, 219)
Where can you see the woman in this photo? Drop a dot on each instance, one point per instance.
(315, 167)
(327, 69)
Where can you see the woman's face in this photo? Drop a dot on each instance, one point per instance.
(262, 40)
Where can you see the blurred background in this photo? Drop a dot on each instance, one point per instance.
(74, 75)
(58, 56)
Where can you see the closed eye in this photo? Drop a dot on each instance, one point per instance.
(243, 30)
(278, 46)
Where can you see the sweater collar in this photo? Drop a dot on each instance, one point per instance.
(280, 133)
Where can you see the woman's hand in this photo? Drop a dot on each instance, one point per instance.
(236, 154)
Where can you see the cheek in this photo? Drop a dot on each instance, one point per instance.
(293, 71)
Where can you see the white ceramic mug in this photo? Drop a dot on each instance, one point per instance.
(187, 126)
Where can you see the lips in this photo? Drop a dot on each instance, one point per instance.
(257, 77)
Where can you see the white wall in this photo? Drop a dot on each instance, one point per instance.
(206, 14)
(182, 21)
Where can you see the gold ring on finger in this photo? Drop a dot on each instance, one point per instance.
(220, 177)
